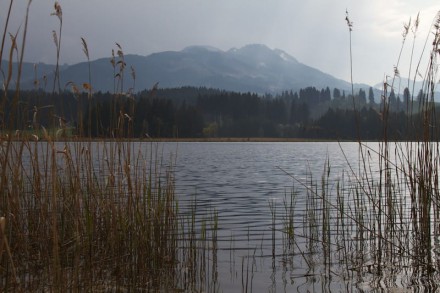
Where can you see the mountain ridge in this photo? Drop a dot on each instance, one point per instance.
(251, 68)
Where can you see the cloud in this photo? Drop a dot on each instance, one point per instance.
(312, 31)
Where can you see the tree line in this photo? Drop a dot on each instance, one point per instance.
(189, 112)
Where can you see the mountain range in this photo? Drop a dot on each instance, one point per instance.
(252, 68)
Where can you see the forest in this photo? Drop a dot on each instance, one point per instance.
(190, 112)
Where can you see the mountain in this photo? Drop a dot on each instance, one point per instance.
(252, 68)
(29, 73)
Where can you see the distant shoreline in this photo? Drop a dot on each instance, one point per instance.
(169, 139)
(243, 139)
(213, 139)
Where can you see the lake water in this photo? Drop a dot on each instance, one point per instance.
(290, 218)
(246, 183)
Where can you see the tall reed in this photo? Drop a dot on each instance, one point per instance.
(384, 215)
(58, 12)
(78, 215)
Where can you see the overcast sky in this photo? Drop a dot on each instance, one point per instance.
(312, 31)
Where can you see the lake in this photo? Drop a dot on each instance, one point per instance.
(255, 216)
(245, 183)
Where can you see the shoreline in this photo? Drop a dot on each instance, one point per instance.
(213, 139)
(242, 139)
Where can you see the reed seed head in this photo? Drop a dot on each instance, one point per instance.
(87, 86)
(112, 60)
(55, 38)
(396, 71)
(119, 52)
(406, 27)
(416, 24)
(85, 47)
(58, 11)
(349, 23)
(73, 86)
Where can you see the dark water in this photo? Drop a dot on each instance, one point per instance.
(247, 183)
(251, 186)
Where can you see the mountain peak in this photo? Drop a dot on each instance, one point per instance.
(251, 48)
(256, 47)
(262, 53)
(199, 48)
(251, 68)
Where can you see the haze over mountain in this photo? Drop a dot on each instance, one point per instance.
(252, 68)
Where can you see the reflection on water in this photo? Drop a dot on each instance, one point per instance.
(310, 217)
(303, 216)
(247, 184)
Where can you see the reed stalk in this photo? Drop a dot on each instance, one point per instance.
(58, 12)
(90, 216)
(386, 211)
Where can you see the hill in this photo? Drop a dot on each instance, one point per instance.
(252, 68)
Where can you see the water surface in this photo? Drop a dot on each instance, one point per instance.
(246, 183)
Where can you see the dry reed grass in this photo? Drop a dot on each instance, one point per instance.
(89, 216)
(384, 214)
